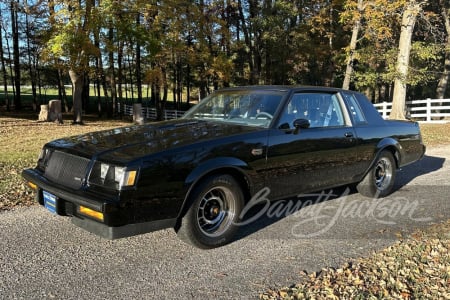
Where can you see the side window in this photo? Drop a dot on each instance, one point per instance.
(320, 109)
(334, 116)
(354, 109)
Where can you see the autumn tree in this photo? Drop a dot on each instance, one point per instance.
(183, 47)
(372, 62)
(118, 20)
(356, 18)
(409, 17)
(70, 43)
(33, 20)
(444, 78)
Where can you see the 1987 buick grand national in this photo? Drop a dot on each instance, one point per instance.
(196, 174)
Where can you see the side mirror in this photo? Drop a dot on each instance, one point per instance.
(301, 124)
(284, 126)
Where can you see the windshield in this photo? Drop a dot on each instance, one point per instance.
(247, 107)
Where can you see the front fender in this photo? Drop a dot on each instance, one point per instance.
(212, 165)
(216, 165)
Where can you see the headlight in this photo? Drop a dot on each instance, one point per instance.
(43, 154)
(43, 158)
(111, 176)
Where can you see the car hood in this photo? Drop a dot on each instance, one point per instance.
(124, 144)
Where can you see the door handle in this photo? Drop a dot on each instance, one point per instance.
(257, 151)
(348, 135)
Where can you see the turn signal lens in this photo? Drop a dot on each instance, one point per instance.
(111, 176)
(130, 178)
(91, 213)
(32, 185)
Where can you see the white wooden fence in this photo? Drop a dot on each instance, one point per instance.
(150, 113)
(429, 110)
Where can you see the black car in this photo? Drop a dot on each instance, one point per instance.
(196, 174)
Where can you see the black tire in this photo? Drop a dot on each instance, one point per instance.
(211, 219)
(379, 181)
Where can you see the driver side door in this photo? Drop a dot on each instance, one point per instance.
(301, 160)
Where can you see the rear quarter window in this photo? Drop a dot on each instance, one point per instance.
(355, 110)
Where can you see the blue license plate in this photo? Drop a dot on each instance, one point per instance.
(50, 201)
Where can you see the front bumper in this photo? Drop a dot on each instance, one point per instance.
(117, 221)
(112, 233)
(76, 197)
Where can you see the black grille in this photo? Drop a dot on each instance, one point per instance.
(66, 169)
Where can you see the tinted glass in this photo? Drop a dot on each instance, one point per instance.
(247, 107)
(354, 109)
(320, 109)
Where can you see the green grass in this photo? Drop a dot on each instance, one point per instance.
(21, 140)
(52, 93)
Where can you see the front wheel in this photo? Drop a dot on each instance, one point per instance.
(210, 221)
(379, 182)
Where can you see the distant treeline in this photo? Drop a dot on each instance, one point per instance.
(185, 49)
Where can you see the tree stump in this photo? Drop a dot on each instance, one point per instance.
(55, 114)
(138, 118)
(43, 114)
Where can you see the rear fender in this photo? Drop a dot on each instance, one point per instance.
(393, 146)
(388, 144)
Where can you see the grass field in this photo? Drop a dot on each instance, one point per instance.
(48, 94)
(21, 139)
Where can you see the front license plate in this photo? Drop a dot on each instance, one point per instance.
(50, 202)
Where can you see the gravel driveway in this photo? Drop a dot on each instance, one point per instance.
(45, 256)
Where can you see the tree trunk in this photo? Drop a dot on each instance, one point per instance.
(156, 94)
(31, 62)
(2, 58)
(16, 53)
(352, 49)
(408, 22)
(443, 81)
(78, 84)
(119, 95)
(112, 81)
(112, 75)
(100, 76)
(62, 90)
(130, 72)
(138, 63)
(165, 89)
(86, 92)
(175, 78)
(11, 74)
(248, 42)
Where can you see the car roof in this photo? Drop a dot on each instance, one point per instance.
(282, 88)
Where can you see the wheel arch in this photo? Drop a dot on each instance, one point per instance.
(222, 166)
(391, 145)
(387, 144)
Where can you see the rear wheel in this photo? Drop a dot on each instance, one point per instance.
(211, 219)
(379, 182)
